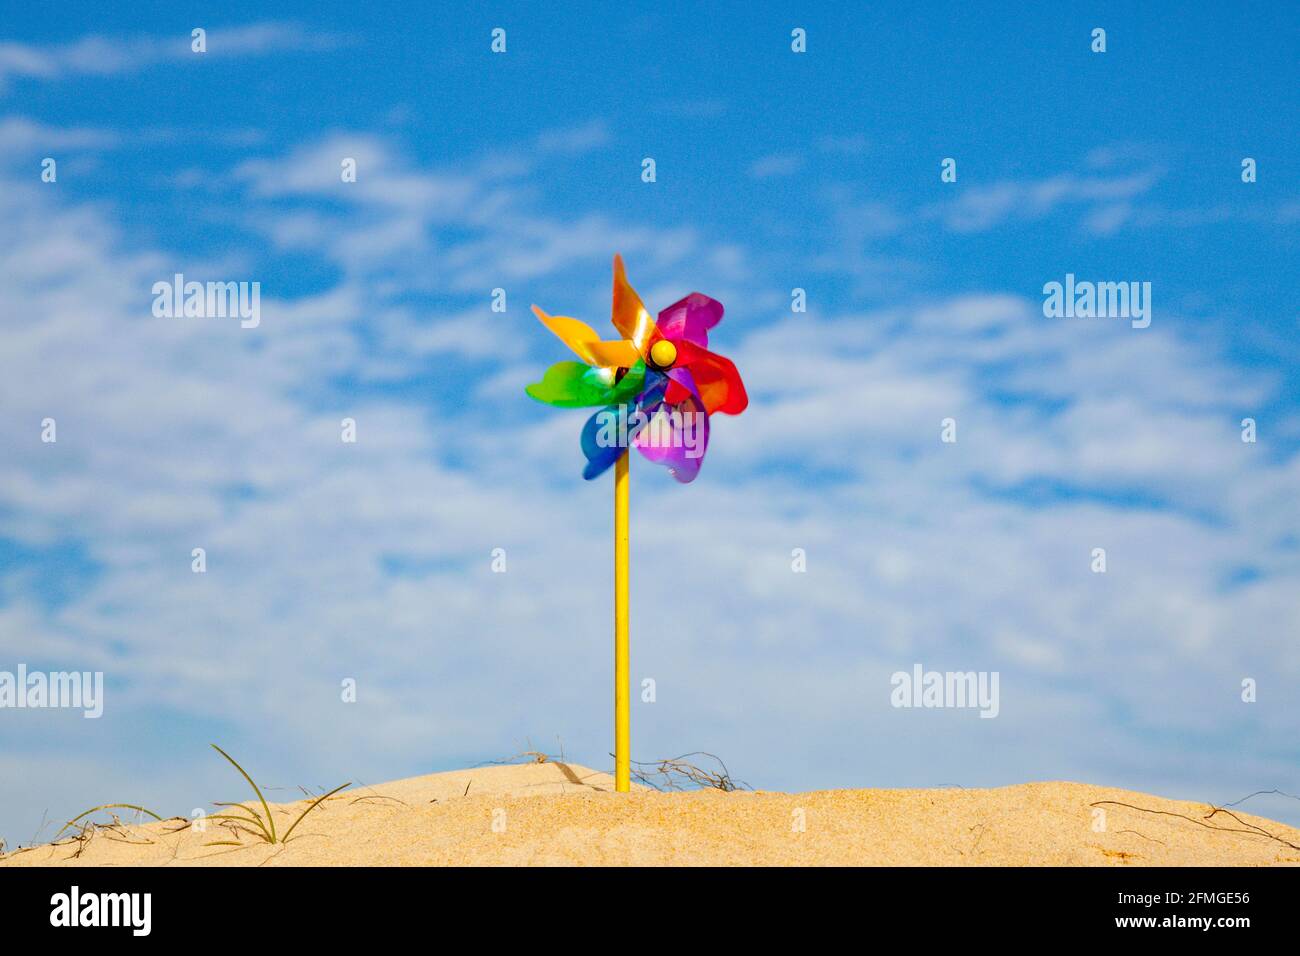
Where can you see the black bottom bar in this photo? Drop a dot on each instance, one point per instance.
(334, 906)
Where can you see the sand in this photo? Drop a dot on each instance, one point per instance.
(564, 814)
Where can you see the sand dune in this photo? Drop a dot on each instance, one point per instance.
(560, 814)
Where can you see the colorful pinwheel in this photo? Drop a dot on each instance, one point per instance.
(657, 386)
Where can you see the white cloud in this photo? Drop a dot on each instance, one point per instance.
(981, 207)
(778, 164)
(849, 145)
(18, 133)
(107, 56)
(578, 139)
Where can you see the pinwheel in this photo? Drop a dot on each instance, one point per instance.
(656, 388)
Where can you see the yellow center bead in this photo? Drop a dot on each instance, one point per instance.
(663, 353)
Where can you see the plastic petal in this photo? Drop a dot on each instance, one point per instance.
(690, 319)
(677, 435)
(586, 343)
(677, 391)
(608, 433)
(629, 313)
(574, 385)
(718, 381)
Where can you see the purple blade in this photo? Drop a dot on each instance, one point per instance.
(677, 436)
(690, 319)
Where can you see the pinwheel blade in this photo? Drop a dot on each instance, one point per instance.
(677, 434)
(629, 314)
(586, 342)
(574, 385)
(719, 383)
(690, 319)
(610, 432)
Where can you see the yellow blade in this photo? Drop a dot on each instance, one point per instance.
(629, 313)
(586, 343)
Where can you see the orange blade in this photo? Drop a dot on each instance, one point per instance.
(586, 343)
(629, 313)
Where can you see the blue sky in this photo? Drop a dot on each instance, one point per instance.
(775, 170)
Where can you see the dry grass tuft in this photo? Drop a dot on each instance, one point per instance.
(680, 773)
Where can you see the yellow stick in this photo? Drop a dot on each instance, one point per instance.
(622, 689)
